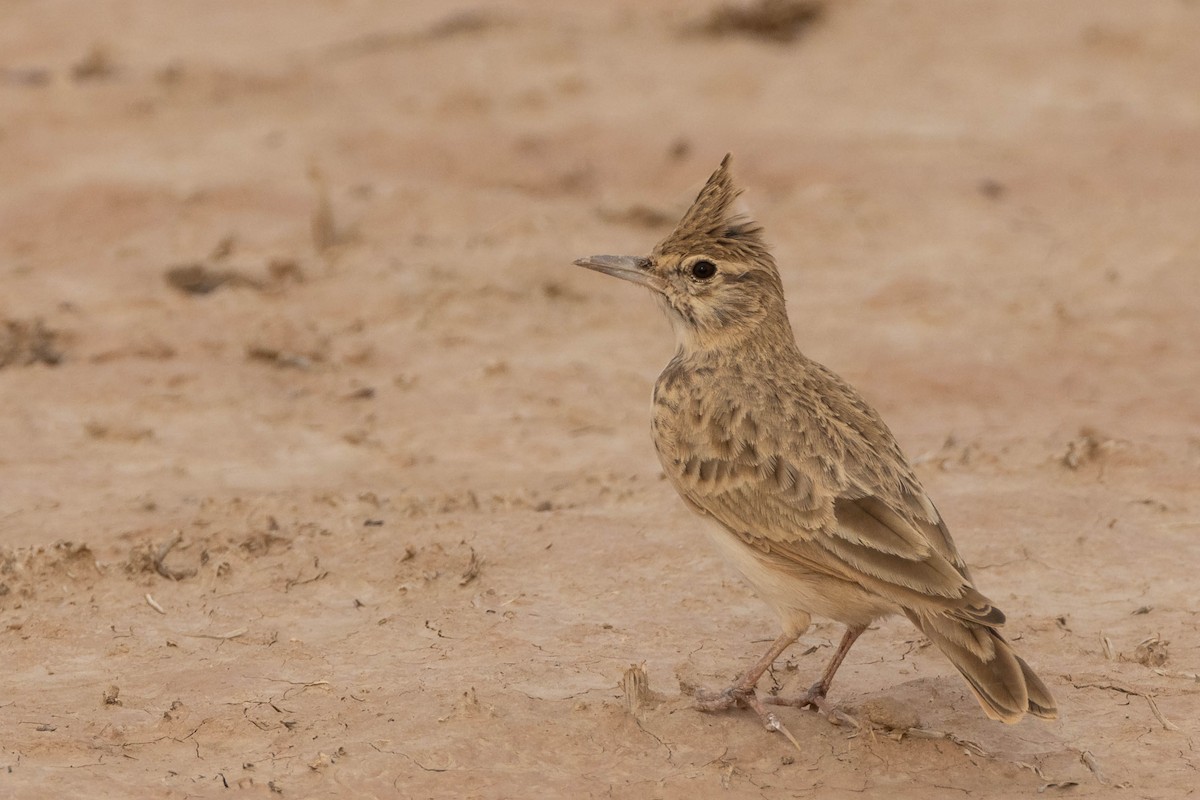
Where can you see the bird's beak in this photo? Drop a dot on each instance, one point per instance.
(630, 268)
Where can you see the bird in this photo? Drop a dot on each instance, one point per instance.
(805, 489)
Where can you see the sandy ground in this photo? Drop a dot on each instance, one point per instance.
(323, 473)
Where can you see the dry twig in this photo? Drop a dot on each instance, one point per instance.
(220, 636)
(1126, 690)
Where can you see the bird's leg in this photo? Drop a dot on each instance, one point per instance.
(815, 696)
(742, 692)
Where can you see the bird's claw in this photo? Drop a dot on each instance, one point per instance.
(737, 696)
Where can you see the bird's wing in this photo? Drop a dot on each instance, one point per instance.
(823, 500)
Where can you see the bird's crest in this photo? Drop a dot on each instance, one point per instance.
(711, 226)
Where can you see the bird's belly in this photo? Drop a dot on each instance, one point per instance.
(793, 592)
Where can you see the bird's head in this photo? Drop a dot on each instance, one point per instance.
(714, 275)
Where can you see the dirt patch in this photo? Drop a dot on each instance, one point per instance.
(26, 570)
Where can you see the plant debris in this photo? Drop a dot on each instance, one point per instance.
(472, 570)
(198, 278)
(24, 344)
(1088, 447)
(781, 21)
(160, 560)
(635, 685)
(1151, 652)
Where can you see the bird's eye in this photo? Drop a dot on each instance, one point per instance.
(703, 270)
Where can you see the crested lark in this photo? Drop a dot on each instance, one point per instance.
(807, 491)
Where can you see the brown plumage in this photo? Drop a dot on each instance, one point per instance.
(810, 497)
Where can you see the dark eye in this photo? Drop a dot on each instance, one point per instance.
(703, 270)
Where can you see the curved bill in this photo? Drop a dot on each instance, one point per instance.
(630, 268)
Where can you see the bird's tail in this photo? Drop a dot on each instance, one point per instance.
(1004, 684)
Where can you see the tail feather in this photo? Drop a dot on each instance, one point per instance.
(1003, 683)
(1041, 702)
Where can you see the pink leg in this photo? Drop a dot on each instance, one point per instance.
(815, 696)
(744, 687)
(742, 692)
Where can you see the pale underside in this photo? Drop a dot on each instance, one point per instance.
(803, 504)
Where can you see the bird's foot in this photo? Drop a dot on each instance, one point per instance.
(815, 698)
(736, 696)
(732, 697)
